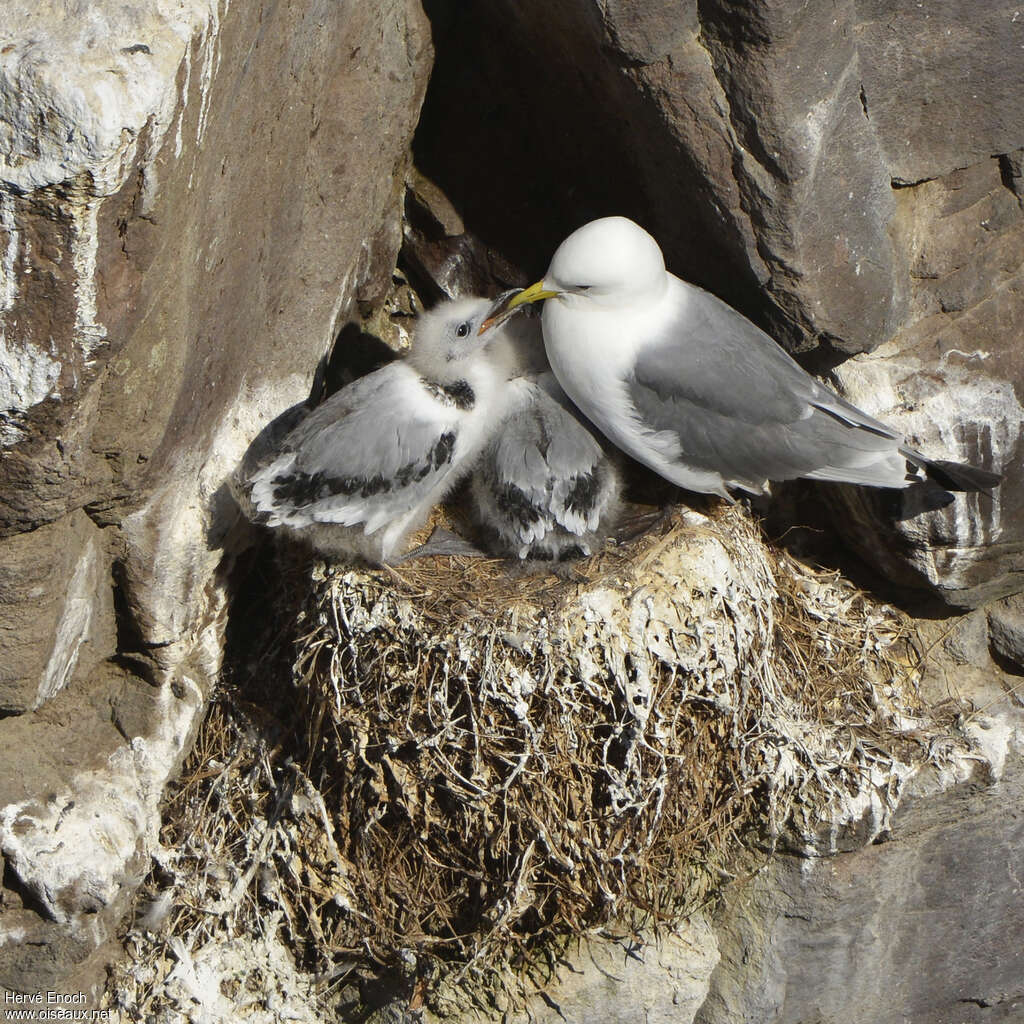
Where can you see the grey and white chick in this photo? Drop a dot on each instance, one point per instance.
(544, 489)
(363, 470)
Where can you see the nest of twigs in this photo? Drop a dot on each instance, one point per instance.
(510, 765)
(486, 763)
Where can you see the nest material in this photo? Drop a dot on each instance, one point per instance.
(483, 763)
(504, 758)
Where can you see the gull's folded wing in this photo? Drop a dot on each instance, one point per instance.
(546, 469)
(742, 407)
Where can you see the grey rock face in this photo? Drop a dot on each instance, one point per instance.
(57, 614)
(192, 202)
(610, 981)
(966, 642)
(920, 927)
(951, 380)
(1006, 628)
(941, 83)
(603, 979)
(807, 162)
(79, 816)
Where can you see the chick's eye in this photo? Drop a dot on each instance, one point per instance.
(462, 331)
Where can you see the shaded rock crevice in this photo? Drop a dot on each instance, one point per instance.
(566, 135)
(1011, 170)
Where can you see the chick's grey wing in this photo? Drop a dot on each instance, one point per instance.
(584, 482)
(741, 406)
(369, 454)
(548, 466)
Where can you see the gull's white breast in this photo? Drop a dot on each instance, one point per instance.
(593, 350)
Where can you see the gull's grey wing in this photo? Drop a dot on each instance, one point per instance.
(369, 454)
(742, 407)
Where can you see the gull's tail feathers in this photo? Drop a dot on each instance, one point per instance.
(959, 476)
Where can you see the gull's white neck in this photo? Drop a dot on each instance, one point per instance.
(599, 335)
(593, 346)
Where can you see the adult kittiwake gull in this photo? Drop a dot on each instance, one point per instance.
(363, 470)
(544, 489)
(692, 389)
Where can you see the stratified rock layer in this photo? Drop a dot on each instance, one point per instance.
(194, 197)
(928, 909)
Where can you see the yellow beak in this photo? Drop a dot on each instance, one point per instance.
(534, 293)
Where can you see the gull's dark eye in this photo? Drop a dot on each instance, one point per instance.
(581, 287)
(462, 331)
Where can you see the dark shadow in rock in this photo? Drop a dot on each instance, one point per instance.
(264, 603)
(800, 518)
(456, 266)
(355, 353)
(386, 992)
(440, 258)
(1007, 665)
(917, 499)
(13, 884)
(132, 654)
(530, 140)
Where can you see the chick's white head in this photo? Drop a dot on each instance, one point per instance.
(447, 341)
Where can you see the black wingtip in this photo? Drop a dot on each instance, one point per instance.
(958, 476)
